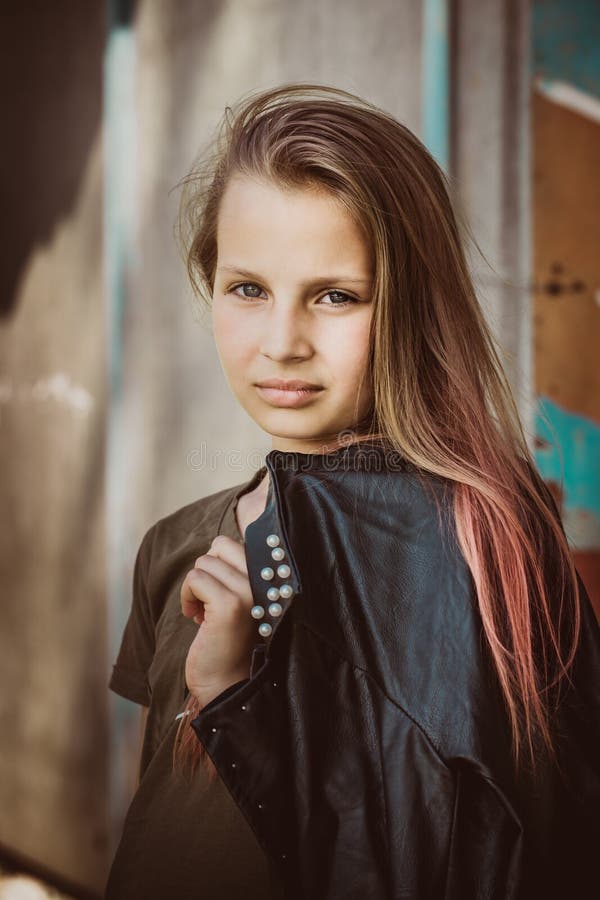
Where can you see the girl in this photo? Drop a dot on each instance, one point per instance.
(321, 234)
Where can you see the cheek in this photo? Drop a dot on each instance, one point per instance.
(348, 352)
(232, 337)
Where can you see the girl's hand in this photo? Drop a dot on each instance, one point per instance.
(216, 594)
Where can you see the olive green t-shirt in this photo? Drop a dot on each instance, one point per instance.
(180, 838)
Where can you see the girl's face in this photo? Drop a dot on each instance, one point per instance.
(292, 301)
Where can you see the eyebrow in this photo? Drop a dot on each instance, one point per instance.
(311, 282)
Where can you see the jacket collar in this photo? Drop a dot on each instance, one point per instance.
(372, 453)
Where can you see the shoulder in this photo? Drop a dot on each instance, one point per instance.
(195, 522)
(198, 515)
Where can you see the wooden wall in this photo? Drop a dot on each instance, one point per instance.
(565, 128)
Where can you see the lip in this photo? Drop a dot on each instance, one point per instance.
(287, 397)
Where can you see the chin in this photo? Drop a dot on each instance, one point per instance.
(292, 423)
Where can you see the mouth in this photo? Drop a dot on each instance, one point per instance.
(288, 396)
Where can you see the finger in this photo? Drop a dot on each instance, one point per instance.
(191, 605)
(197, 590)
(230, 551)
(229, 576)
(201, 593)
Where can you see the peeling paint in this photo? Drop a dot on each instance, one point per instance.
(571, 97)
(569, 456)
(59, 387)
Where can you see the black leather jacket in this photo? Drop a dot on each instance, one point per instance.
(369, 749)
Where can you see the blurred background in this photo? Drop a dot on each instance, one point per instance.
(113, 407)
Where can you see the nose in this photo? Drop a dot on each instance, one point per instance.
(285, 333)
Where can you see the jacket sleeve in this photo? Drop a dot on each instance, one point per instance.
(492, 857)
(451, 834)
(455, 836)
(486, 852)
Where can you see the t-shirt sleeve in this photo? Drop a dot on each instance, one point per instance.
(129, 675)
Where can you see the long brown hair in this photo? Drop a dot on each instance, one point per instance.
(440, 395)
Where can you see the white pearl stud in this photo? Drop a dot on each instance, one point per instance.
(283, 571)
(275, 609)
(286, 591)
(264, 629)
(257, 612)
(267, 573)
(273, 540)
(273, 593)
(278, 553)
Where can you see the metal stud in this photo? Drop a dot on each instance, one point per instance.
(275, 609)
(286, 591)
(273, 594)
(264, 629)
(278, 553)
(267, 573)
(257, 612)
(273, 540)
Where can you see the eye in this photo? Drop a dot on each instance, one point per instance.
(244, 285)
(346, 300)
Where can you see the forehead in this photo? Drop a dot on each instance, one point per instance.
(261, 220)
